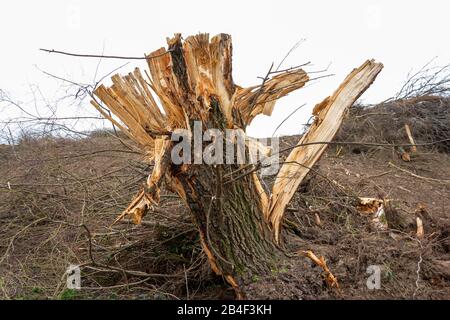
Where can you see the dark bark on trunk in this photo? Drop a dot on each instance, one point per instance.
(233, 230)
(230, 219)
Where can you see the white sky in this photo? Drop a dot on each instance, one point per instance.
(404, 35)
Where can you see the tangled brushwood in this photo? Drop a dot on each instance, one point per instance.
(429, 116)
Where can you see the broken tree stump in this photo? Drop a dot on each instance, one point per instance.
(238, 220)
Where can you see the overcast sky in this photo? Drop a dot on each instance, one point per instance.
(404, 35)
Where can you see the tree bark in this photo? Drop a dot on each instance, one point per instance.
(230, 219)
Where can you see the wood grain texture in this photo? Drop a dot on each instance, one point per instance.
(328, 118)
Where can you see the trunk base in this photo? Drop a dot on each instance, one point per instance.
(230, 218)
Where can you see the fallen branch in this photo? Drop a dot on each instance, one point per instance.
(417, 176)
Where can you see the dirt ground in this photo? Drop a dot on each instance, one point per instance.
(58, 198)
(350, 244)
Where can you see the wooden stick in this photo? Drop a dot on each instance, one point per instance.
(419, 233)
(410, 137)
(417, 176)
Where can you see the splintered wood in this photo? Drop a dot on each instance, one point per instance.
(328, 118)
(374, 209)
(261, 99)
(330, 279)
(149, 195)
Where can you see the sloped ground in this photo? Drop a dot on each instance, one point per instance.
(420, 188)
(351, 244)
(58, 198)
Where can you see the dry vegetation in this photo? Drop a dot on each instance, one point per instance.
(59, 196)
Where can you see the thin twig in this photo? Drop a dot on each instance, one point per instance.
(285, 119)
(419, 177)
(102, 56)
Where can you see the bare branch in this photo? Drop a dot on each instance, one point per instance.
(101, 56)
